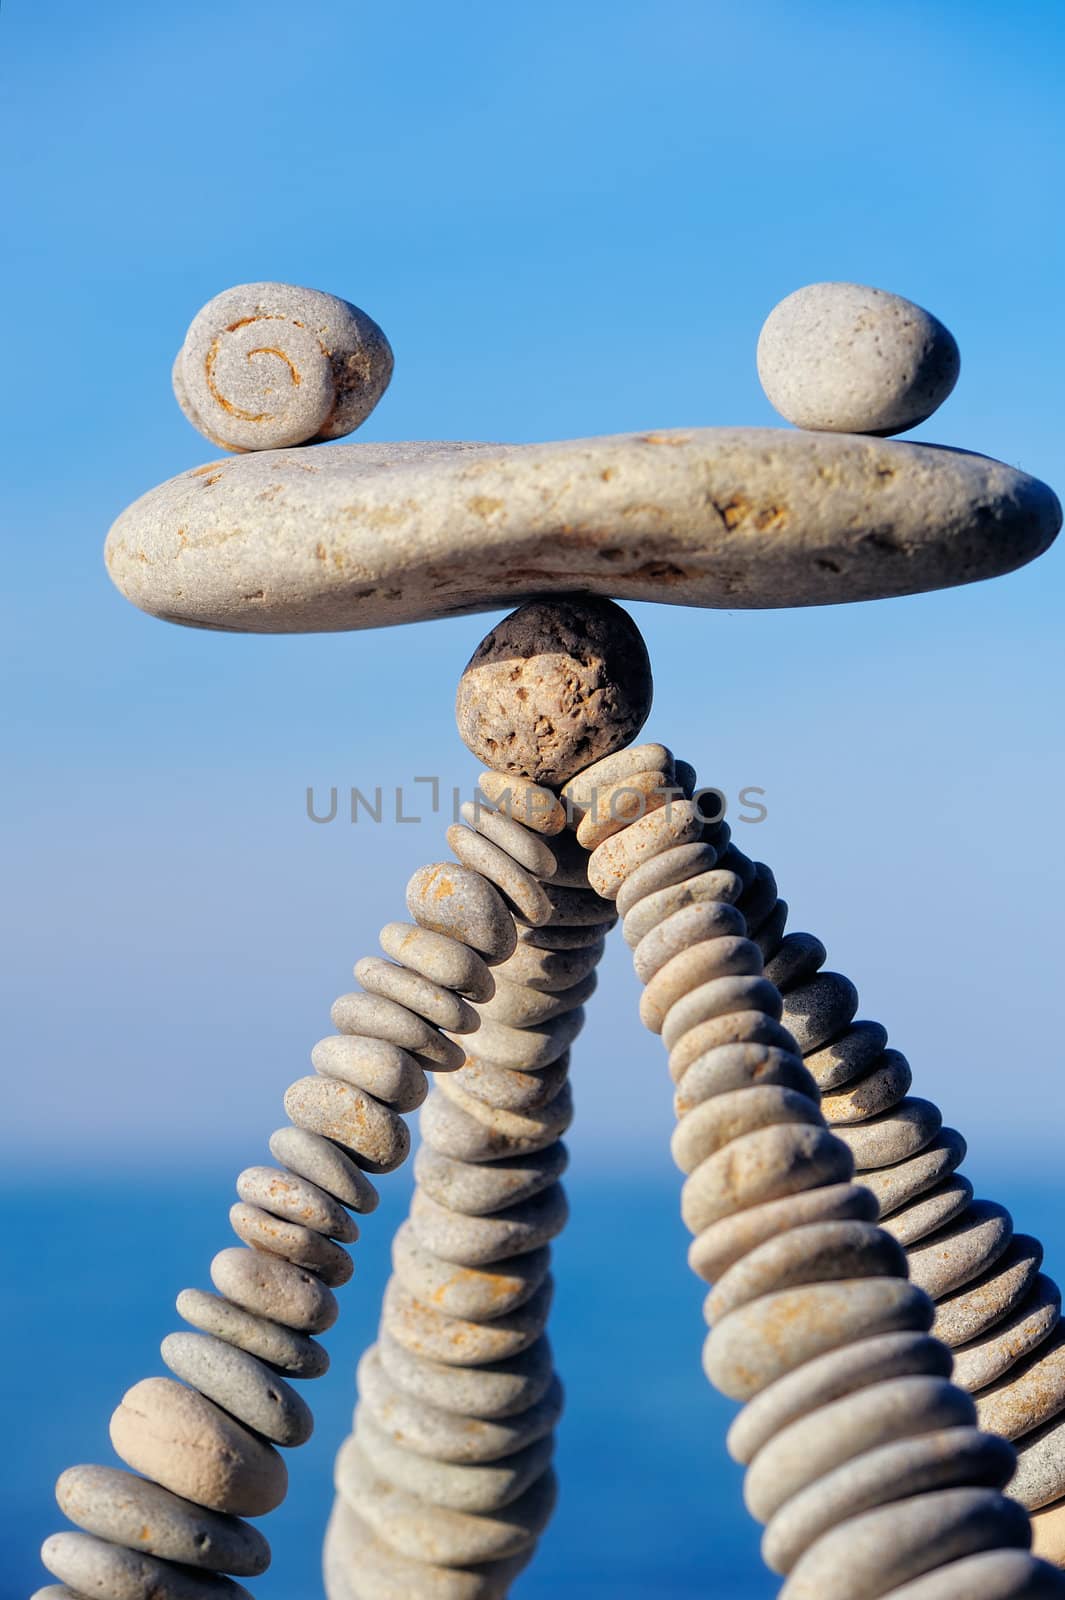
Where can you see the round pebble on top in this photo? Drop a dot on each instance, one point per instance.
(267, 365)
(555, 686)
(843, 358)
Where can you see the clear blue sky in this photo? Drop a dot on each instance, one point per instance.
(569, 219)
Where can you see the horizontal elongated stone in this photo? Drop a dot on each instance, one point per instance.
(740, 1066)
(971, 1311)
(1032, 1393)
(479, 1188)
(484, 1487)
(240, 1384)
(361, 1566)
(324, 1163)
(99, 1568)
(286, 1194)
(983, 1361)
(435, 1002)
(261, 1336)
(269, 1286)
(817, 1253)
(448, 898)
(363, 535)
(993, 1575)
(439, 957)
(760, 1166)
(457, 1430)
(376, 1136)
(302, 1246)
(424, 1330)
(1040, 1476)
(498, 1390)
(464, 1291)
(678, 865)
(460, 1126)
(897, 1186)
(722, 1243)
(930, 1211)
(388, 1072)
(961, 1252)
(484, 1241)
(704, 888)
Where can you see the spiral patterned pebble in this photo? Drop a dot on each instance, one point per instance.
(446, 1483)
(206, 1445)
(874, 1473)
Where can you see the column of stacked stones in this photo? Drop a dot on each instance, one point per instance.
(866, 1462)
(446, 1481)
(994, 1307)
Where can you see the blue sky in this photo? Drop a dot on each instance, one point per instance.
(569, 219)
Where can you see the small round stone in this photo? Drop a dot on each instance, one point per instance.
(269, 1286)
(795, 960)
(268, 365)
(302, 1246)
(1040, 1476)
(556, 685)
(379, 1140)
(528, 1049)
(285, 1194)
(282, 1347)
(181, 1440)
(384, 1070)
(438, 957)
(94, 1567)
(818, 1011)
(654, 909)
(734, 1028)
(506, 1089)
(241, 1385)
(527, 803)
(739, 1066)
(450, 899)
(325, 1164)
(849, 359)
(725, 1117)
(374, 1017)
(877, 1091)
(894, 1136)
(483, 1488)
(764, 1165)
(847, 1057)
(128, 1510)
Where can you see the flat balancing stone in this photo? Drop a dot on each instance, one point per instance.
(366, 535)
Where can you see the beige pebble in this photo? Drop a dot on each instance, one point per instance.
(438, 957)
(324, 1163)
(959, 1253)
(507, 1089)
(241, 1385)
(101, 1568)
(449, 899)
(816, 1253)
(361, 1566)
(722, 1244)
(1032, 1394)
(613, 806)
(717, 1122)
(291, 1240)
(895, 1136)
(372, 1016)
(182, 1441)
(930, 1211)
(721, 997)
(735, 1028)
(877, 1091)
(684, 932)
(550, 971)
(761, 1166)
(464, 1128)
(384, 1070)
(531, 1048)
(484, 1241)
(529, 849)
(425, 1331)
(1048, 1536)
(571, 936)
(611, 862)
(501, 1391)
(479, 1188)
(487, 1487)
(376, 1136)
(518, 1006)
(985, 1360)
(992, 1575)
(897, 1186)
(762, 1341)
(971, 1311)
(286, 1194)
(530, 804)
(517, 885)
(705, 888)
(664, 871)
(578, 792)
(461, 1290)
(740, 1066)
(269, 1286)
(441, 1007)
(282, 1347)
(1040, 1476)
(848, 1057)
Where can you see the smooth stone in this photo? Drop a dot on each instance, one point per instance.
(572, 936)
(869, 1556)
(1048, 1539)
(878, 1091)
(765, 1165)
(984, 1361)
(127, 1510)
(732, 859)
(717, 1122)
(296, 1199)
(466, 1129)
(523, 893)
(438, 957)
(683, 932)
(501, 1389)
(571, 862)
(734, 1028)
(894, 1136)
(433, 1534)
(269, 1286)
(950, 1458)
(196, 1450)
(992, 1575)
(282, 1347)
(367, 535)
(677, 866)
(610, 863)
(768, 933)
(795, 960)
(758, 899)
(817, 1444)
(850, 359)
(579, 792)
(721, 997)
(384, 1070)
(530, 804)
(448, 898)
(832, 1377)
(425, 1331)
(930, 1211)
(360, 1566)
(241, 1385)
(970, 1312)
(441, 1007)
(898, 1186)
(482, 1488)
(723, 1243)
(507, 1089)
(653, 909)
(477, 1188)
(518, 1006)
(480, 1241)
(300, 1245)
(383, 1021)
(528, 1049)
(377, 1138)
(443, 1430)
(55, 1591)
(815, 1012)
(555, 685)
(847, 1057)
(270, 365)
(550, 971)
(816, 1253)
(740, 1066)
(576, 909)
(1040, 1475)
(325, 1164)
(528, 848)
(615, 806)
(458, 1290)
(958, 1254)
(1032, 1394)
(91, 1566)
(762, 1341)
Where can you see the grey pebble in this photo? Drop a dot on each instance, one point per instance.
(985, 1360)
(719, 997)
(653, 909)
(612, 861)
(683, 929)
(959, 1253)
(441, 1007)
(723, 1243)
(381, 1020)
(360, 1566)
(817, 1011)
(521, 1007)
(269, 1286)
(894, 1136)
(128, 1510)
(576, 936)
(479, 1188)
(570, 862)
(550, 971)
(93, 1567)
(383, 1069)
(717, 1122)
(992, 1575)
(322, 1162)
(735, 1027)
(282, 1347)
(576, 908)
(300, 1245)
(438, 957)
(795, 960)
(464, 1128)
(531, 1048)
(970, 1312)
(510, 1090)
(524, 845)
(676, 866)
(483, 1241)
(877, 1091)
(529, 804)
(816, 1253)
(424, 1331)
(898, 1186)
(449, 899)
(847, 1057)
(487, 1486)
(740, 1066)
(930, 1211)
(759, 899)
(1040, 1476)
(378, 1139)
(286, 1194)
(240, 1384)
(524, 893)
(502, 1389)
(850, 359)
(460, 1291)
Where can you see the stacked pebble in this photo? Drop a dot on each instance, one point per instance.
(203, 1444)
(446, 1482)
(994, 1308)
(865, 1461)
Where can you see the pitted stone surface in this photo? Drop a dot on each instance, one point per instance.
(365, 535)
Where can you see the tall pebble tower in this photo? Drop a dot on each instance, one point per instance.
(896, 1347)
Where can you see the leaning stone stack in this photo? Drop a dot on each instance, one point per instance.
(995, 1309)
(866, 1463)
(446, 1482)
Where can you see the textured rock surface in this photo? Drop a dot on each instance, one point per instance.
(363, 535)
(851, 359)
